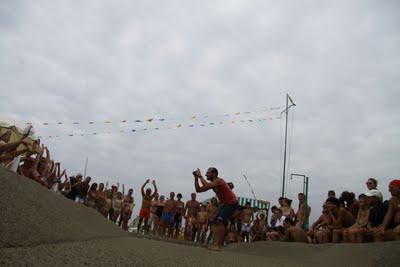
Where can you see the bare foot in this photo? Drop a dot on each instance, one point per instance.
(214, 248)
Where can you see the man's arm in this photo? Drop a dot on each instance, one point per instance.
(142, 188)
(155, 189)
(205, 185)
(389, 216)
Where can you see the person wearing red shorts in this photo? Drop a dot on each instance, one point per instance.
(145, 211)
(227, 198)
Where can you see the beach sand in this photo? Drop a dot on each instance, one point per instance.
(41, 228)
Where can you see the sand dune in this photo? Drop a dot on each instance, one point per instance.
(40, 228)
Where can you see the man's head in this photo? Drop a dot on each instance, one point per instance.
(130, 191)
(394, 187)
(281, 200)
(179, 196)
(278, 213)
(101, 186)
(332, 203)
(79, 177)
(363, 200)
(119, 195)
(372, 183)
(301, 197)
(212, 174)
(193, 196)
(148, 192)
(93, 187)
(88, 179)
(171, 195)
(273, 209)
(156, 196)
(331, 193)
(162, 198)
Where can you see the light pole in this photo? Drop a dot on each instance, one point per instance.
(288, 98)
(305, 192)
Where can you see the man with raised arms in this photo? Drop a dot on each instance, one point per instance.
(227, 198)
(145, 211)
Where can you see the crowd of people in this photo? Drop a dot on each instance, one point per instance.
(220, 220)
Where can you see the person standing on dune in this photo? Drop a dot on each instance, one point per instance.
(228, 199)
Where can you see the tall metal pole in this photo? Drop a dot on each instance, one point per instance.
(284, 153)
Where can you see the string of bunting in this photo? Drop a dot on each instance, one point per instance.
(175, 126)
(153, 119)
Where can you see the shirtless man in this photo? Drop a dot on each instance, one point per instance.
(147, 198)
(303, 213)
(180, 208)
(340, 218)
(320, 232)
(258, 228)
(127, 206)
(153, 210)
(356, 232)
(352, 204)
(293, 233)
(202, 224)
(246, 218)
(212, 210)
(168, 214)
(227, 198)
(390, 228)
(191, 209)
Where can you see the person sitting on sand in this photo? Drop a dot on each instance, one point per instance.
(228, 199)
(286, 208)
(276, 232)
(180, 208)
(351, 203)
(191, 208)
(377, 212)
(168, 215)
(273, 218)
(371, 184)
(202, 224)
(147, 197)
(231, 236)
(258, 229)
(293, 233)
(246, 218)
(389, 230)
(303, 213)
(356, 232)
(320, 232)
(340, 219)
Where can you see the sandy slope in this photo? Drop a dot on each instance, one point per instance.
(40, 228)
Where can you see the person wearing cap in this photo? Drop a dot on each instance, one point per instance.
(377, 212)
(372, 183)
(389, 230)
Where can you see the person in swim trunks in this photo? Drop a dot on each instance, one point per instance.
(158, 216)
(145, 211)
(180, 206)
(168, 214)
(227, 198)
(246, 218)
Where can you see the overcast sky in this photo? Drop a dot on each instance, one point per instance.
(115, 60)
